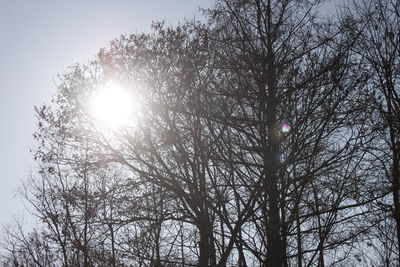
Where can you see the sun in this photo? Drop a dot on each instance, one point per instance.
(113, 106)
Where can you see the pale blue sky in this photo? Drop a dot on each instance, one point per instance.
(41, 38)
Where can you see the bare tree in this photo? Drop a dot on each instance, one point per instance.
(288, 88)
(378, 50)
(251, 145)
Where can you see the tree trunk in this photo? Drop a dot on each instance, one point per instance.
(271, 165)
(204, 245)
(396, 200)
(271, 161)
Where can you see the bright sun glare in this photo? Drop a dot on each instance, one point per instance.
(113, 106)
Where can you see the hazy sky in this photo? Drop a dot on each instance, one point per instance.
(41, 38)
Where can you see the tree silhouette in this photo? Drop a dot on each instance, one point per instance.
(258, 143)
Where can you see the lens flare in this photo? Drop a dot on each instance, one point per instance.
(285, 127)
